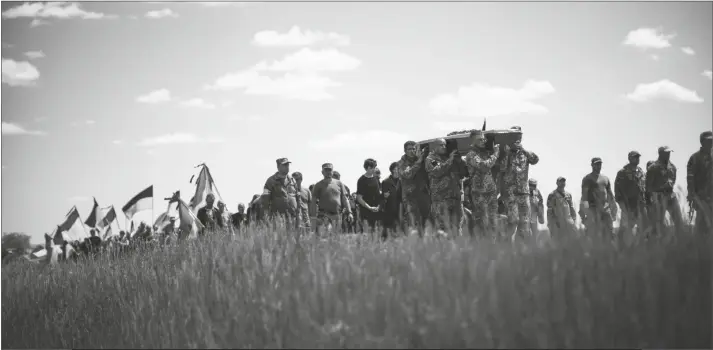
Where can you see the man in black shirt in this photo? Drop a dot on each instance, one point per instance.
(238, 219)
(209, 216)
(369, 195)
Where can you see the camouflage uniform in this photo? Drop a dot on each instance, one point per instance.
(561, 214)
(700, 186)
(279, 192)
(537, 208)
(516, 190)
(483, 189)
(414, 193)
(630, 193)
(444, 181)
(660, 180)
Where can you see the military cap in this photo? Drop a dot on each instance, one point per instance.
(282, 161)
(596, 160)
(327, 166)
(532, 182)
(634, 154)
(707, 135)
(561, 178)
(665, 149)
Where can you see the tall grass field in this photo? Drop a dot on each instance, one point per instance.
(264, 290)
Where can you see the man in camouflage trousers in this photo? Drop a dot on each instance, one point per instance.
(444, 183)
(630, 194)
(280, 195)
(483, 189)
(561, 214)
(660, 182)
(700, 184)
(516, 190)
(537, 207)
(415, 196)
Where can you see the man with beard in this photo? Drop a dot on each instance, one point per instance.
(700, 183)
(660, 181)
(597, 207)
(483, 189)
(561, 214)
(630, 194)
(515, 172)
(392, 202)
(415, 197)
(210, 216)
(444, 184)
(330, 199)
(280, 196)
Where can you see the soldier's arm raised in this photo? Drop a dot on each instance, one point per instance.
(438, 168)
(532, 157)
(409, 172)
(479, 163)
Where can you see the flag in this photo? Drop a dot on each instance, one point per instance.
(141, 201)
(108, 216)
(71, 229)
(188, 223)
(94, 215)
(204, 186)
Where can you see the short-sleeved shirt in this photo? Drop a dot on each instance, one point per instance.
(331, 195)
(238, 219)
(369, 188)
(281, 192)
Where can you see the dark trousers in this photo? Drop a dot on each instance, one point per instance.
(390, 224)
(368, 218)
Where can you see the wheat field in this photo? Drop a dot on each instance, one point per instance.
(263, 290)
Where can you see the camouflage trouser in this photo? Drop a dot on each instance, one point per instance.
(284, 220)
(599, 222)
(559, 227)
(305, 221)
(704, 215)
(633, 214)
(485, 212)
(518, 212)
(417, 210)
(662, 202)
(325, 219)
(448, 215)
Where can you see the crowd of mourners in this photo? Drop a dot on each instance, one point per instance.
(486, 193)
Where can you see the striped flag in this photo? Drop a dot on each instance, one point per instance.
(204, 186)
(108, 216)
(188, 222)
(71, 229)
(94, 216)
(142, 201)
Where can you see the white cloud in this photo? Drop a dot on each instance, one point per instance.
(38, 22)
(663, 89)
(306, 60)
(60, 9)
(157, 96)
(14, 129)
(198, 103)
(176, 138)
(302, 80)
(648, 38)
(688, 51)
(483, 100)
(708, 74)
(19, 73)
(161, 13)
(296, 37)
(33, 55)
(373, 139)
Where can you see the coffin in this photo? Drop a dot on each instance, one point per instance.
(460, 140)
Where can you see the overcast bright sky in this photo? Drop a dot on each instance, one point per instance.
(104, 99)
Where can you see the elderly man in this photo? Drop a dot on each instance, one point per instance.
(209, 216)
(660, 181)
(561, 214)
(445, 188)
(330, 199)
(483, 189)
(630, 194)
(597, 207)
(415, 195)
(700, 184)
(280, 196)
(515, 174)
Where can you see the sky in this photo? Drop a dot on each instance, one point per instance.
(103, 99)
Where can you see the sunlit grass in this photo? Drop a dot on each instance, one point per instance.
(263, 290)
